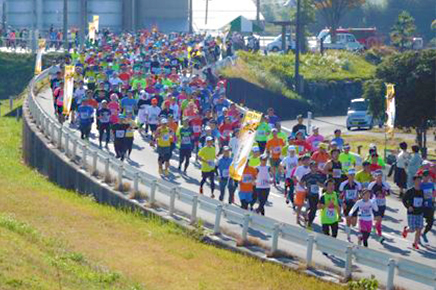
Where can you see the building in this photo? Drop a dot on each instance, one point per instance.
(118, 15)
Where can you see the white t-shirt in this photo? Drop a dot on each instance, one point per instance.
(289, 163)
(366, 209)
(299, 173)
(153, 115)
(263, 177)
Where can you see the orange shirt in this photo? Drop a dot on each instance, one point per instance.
(320, 158)
(248, 177)
(173, 126)
(275, 146)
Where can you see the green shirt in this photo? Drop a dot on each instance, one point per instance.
(364, 178)
(254, 162)
(329, 215)
(262, 133)
(208, 155)
(347, 160)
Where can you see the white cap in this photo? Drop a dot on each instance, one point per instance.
(291, 148)
(207, 128)
(209, 138)
(164, 121)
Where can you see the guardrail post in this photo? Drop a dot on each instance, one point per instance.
(136, 183)
(46, 128)
(153, 189)
(84, 156)
(391, 274)
(309, 123)
(73, 156)
(67, 144)
(94, 162)
(60, 138)
(0, 109)
(17, 114)
(275, 239)
(348, 262)
(194, 210)
(245, 226)
(310, 242)
(216, 227)
(11, 103)
(173, 194)
(120, 177)
(52, 129)
(106, 170)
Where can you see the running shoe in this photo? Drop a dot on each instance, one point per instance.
(160, 171)
(359, 240)
(167, 173)
(424, 237)
(201, 190)
(405, 232)
(415, 245)
(381, 240)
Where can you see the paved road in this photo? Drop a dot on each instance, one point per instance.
(145, 158)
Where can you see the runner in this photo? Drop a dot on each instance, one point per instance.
(86, 115)
(103, 123)
(379, 190)
(153, 113)
(428, 188)
(119, 130)
(163, 137)
(186, 141)
(366, 208)
(262, 133)
(263, 183)
(246, 186)
(349, 190)
(300, 190)
(224, 177)
(274, 149)
(364, 176)
(347, 159)
(313, 182)
(413, 201)
(329, 206)
(207, 157)
(287, 165)
(300, 127)
(130, 132)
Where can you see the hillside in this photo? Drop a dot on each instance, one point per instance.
(60, 240)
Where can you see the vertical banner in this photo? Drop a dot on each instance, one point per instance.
(390, 109)
(68, 89)
(91, 31)
(96, 20)
(38, 62)
(247, 135)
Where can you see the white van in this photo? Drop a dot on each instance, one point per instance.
(358, 115)
(276, 44)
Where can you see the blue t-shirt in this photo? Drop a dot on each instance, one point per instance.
(339, 141)
(428, 189)
(223, 166)
(86, 114)
(128, 105)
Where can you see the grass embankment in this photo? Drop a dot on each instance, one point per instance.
(51, 238)
(276, 71)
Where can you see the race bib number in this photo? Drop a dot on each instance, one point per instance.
(277, 150)
(264, 182)
(152, 118)
(417, 201)
(196, 129)
(247, 178)
(321, 166)
(351, 194)
(347, 164)
(105, 118)
(331, 213)
(315, 144)
(186, 140)
(166, 137)
(84, 115)
(261, 133)
(225, 173)
(300, 148)
(119, 133)
(337, 173)
(365, 212)
(428, 193)
(381, 201)
(314, 189)
(211, 163)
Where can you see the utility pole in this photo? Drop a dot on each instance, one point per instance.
(258, 12)
(207, 11)
(191, 21)
(83, 21)
(66, 45)
(297, 48)
(133, 16)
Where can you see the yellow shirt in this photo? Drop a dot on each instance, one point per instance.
(164, 139)
(208, 155)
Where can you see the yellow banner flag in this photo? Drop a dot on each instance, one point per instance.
(68, 89)
(91, 31)
(247, 136)
(38, 62)
(390, 109)
(96, 20)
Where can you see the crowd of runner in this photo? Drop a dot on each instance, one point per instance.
(163, 88)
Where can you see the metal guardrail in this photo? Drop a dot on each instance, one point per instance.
(89, 157)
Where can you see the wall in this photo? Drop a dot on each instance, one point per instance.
(323, 99)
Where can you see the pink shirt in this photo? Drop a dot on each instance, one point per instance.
(314, 141)
(115, 109)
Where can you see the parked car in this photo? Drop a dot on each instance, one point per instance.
(345, 41)
(367, 36)
(358, 115)
(276, 44)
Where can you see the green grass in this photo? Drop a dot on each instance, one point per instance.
(276, 71)
(61, 240)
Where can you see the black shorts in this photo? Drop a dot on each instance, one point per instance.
(153, 127)
(103, 126)
(348, 206)
(381, 211)
(164, 154)
(185, 153)
(209, 174)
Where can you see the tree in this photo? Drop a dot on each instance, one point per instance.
(413, 73)
(333, 10)
(403, 30)
(433, 25)
(308, 17)
(374, 91)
